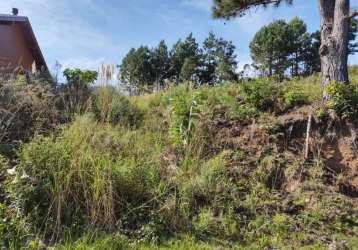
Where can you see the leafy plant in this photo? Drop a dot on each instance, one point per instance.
(343, 100)
(185, 111)
(262, 94)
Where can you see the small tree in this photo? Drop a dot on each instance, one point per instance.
(188, 70)
(76, 93)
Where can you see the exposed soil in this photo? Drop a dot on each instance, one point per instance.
(338, 154)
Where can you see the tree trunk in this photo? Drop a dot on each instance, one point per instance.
(335, 22)
(334, 41)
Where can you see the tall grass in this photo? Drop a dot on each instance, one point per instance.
(178, 169)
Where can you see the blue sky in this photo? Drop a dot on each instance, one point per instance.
(86, 33)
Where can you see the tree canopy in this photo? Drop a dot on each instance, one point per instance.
(212, 62)
(282, 48)
(231, 8)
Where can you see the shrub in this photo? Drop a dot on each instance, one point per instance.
(24, 111)
(343, 100)
(110, 106)
(76, 94)
(295, 98)
(262, 94)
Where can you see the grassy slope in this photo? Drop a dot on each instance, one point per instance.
(197, 169)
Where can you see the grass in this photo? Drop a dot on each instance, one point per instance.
(179, 169)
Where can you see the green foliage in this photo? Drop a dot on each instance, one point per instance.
(113, 179)
(343, 100)
(280, 46)
(184, 113)
(160, 63)
(353, 30)
(219, 61)
(136, 68)
(299, 44)
(262, 94)
(79, 179)
(97, 243)
(269, 49)
(185, 52)
(80, 77)
(14, 232)
(295, 98)
(145, 67)
(111, 106)
(188, 69)
(75, 95)
(232, 8)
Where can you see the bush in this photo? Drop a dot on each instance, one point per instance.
(24, 111)
(76, 93)
(262, 94)
(343, 100)
(110, 106)
(295, 98)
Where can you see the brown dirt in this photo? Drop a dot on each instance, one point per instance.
(340, 159)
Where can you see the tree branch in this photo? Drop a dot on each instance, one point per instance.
(353, 14)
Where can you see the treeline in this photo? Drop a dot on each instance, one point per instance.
(287, 49)
(279, 50)
(213, 62)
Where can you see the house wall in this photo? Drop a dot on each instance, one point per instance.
(14, 51)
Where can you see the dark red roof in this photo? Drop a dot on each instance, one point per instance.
(28, 34)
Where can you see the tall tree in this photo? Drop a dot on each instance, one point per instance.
(335, 18)
(160, 63)
(219, 60)
(269, 49)
(136, 68)
(298, 45)
(227, 64)
(209, 60)
(353, 30)
(312, 61)
(181, 51)
(312, 55)
(188, 70)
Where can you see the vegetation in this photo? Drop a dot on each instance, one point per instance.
(336, 24)
(287, 49)
(209, 161)
(185, 168)
(214, 63)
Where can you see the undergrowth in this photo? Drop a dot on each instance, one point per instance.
(205, 168)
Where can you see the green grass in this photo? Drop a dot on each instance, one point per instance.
(175, 170)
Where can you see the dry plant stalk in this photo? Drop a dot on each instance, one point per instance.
(309, 125)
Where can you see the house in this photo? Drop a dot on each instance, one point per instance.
(19, 50)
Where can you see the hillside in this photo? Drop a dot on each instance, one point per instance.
(208, 168)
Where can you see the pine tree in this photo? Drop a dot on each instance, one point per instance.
(160, 63)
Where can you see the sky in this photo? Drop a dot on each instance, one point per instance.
(86, 33)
